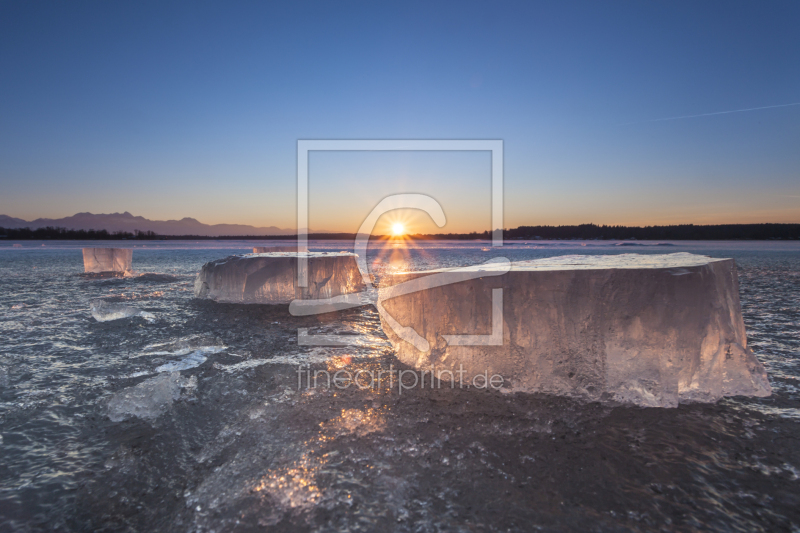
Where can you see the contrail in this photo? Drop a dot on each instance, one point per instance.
(710, 114)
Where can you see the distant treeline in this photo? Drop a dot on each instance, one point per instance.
(50, 233)
(680, 232)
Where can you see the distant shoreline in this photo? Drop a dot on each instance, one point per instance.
(682, 232)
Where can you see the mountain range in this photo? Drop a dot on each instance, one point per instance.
(127, 222)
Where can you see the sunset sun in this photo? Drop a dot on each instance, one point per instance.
(398, 229)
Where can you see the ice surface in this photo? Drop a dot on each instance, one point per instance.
(185, 345)
(271, 278)
(271, 249)
(98, 260)
(150, 398)
(316, 355)
(589, 262)
(103, 311)
(651, 330)
(157, 277)
(192, 360)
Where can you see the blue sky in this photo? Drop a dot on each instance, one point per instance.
(173, 109)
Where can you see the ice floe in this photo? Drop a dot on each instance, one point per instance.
(649, 330)
(104, 311)
(192, 360)
(272, 278)
(317, 355)
(97, 260)
(150, 398)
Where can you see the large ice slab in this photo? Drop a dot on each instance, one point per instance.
(98, 260)
(271, 278)
(651, 330)
(271, 249)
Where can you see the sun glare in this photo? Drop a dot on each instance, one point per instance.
(398, 229)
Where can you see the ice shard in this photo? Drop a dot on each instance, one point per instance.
(151, 398)
(271, 249)
(98, 260)
(103, 311)
(271, 278)
(649, 330)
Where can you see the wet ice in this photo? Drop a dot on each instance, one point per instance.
(150, 398)
(104, 311)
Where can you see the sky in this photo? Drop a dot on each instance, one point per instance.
(194, 109)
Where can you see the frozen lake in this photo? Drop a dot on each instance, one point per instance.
(192, 420)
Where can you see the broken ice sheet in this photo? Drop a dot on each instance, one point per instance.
(271, 278)
(104, 311)
(194, 359)
(99, 260)
(316, 355)
(150, 398)
(647, 330)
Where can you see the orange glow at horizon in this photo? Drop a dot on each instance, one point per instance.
(399, 224)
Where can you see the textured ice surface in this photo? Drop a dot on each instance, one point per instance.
(271, 278)
(271, 249)
(315, 355)
(185, 345)
(651, 330)
(595, 262)
(103, 311)
(727, 466)
(149, 398)
(98, 260)
(192, 360)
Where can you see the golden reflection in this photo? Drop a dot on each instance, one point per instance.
(339, 362)
(295, 485)
(356, 422)
(298, 482)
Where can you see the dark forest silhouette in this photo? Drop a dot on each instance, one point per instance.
(680, 232)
